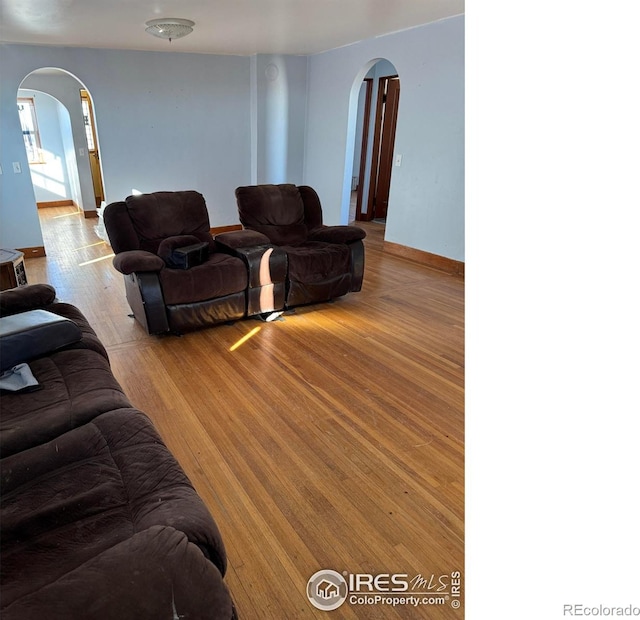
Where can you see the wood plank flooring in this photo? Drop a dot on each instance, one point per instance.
(332, 439)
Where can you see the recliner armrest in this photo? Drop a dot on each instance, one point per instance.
(133, 261)
(28, 297)
(240, 239)
(266, 268)
(337, 234)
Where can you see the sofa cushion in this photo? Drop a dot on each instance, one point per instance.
(337, 234)
(220, 275)
(315, 261)
(77, 386)
(73, 498)
(283, 235)
(235, 239)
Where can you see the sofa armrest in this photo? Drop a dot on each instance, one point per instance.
(337, 234)
(137, 260)
(28, 297)
(27, 335)
(240, 239)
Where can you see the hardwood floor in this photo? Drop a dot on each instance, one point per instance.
(332, 439)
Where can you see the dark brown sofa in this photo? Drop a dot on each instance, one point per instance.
(98, 519)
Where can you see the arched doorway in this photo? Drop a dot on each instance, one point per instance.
(56, 115)
(46, 128)
(373, 153)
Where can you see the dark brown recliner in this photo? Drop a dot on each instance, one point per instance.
(144, 230)
(324, 262)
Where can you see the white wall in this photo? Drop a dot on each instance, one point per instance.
(19, 224)
(426, 204)
(165, 121)
(174, 121)
(281, 102)
(169, 121)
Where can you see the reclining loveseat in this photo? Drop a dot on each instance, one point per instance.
(323, 262)
(284, 257)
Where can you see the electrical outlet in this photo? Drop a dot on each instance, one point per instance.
(17, 169)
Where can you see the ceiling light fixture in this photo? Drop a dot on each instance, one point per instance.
(170, 28)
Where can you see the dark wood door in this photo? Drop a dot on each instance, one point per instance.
(360, 214)
(389, 118)
(383, 143)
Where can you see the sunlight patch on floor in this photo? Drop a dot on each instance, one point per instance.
(242, 340)
(96, 260)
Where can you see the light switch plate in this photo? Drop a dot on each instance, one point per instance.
(17, 169)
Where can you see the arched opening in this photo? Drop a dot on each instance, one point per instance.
(46, 129)
(56, 115)
(373, 114)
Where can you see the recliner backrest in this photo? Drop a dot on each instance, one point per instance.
(278, 211)
(143, 221)
(312, 207)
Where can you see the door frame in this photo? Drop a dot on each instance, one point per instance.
(363, 147)
(94, 166)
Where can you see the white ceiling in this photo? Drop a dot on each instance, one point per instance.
(241, 27)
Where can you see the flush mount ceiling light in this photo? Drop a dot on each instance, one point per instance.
(170, 27)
